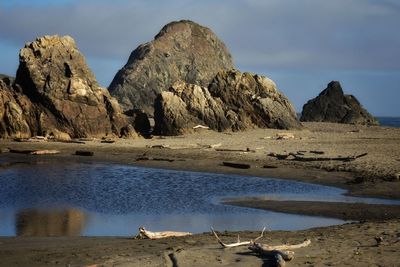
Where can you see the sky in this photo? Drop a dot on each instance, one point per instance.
(300, 44)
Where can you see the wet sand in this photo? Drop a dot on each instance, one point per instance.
(375, 175)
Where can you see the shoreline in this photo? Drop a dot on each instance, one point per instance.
(351, 243)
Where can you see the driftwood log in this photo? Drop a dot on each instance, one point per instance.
(34, 152)
(84, 153)
(236, 165)
(300, 157)
(146, 234)
(278, 253)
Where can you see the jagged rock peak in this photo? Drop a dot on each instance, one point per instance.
(332, 105)
(63, 94)
(182, 50)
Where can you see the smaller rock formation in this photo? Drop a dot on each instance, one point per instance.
(252, 101)
(233, 101)
(332, 105)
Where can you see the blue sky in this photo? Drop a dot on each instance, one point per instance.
(301, 44)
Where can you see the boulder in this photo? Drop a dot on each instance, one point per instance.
(183, 51)
(64, 93)
(252, 101)
(187, 105)
(233, 101)
(332, 105)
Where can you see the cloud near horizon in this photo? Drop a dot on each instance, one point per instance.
(274, 36)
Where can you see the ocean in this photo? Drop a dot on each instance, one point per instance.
(389, 121)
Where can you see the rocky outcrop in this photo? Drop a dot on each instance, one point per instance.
(253, 101)
(332, 105)
(233, 101)
(185, 106)
(183, 51)
(56, 93)
(16, 117)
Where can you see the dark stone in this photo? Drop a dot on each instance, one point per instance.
(183, 51)
(332, 105)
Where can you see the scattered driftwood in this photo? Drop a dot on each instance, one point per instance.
(300, 157)
(71, 141)
(84, 153)
(107, 141)
(234, 150)
(44, 152)
(284, 136)
(214, 145)
(155, 159)
(86, 139)
(29, 140)
(158, 146)
(201, 127)
(317, 152)
(145, 234)
(238, 243)
(236, 165)
(270, 167)
(230, 150)
(21, 151)
(278, 253)
(33, 152)
(349, 158)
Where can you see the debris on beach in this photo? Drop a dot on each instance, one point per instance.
(278, 253)
(84, 153)
(236, 165)
(146, 234)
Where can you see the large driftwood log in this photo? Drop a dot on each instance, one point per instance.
(236, 165)
(278, 253)
(301, 157)
(145, 234)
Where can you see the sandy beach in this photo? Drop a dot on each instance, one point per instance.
(375, 174)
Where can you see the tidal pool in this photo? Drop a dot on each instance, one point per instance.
(47, 198)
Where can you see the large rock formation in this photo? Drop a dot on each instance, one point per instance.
(233, 101)
(332, 105)
(182, 50)
(59, 95)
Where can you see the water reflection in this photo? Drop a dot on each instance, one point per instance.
(51, 198)
(34, 222)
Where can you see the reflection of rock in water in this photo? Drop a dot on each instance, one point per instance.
(50, 223)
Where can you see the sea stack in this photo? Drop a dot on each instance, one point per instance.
(233, 101)
(60, 95)
(332, 105)
(181, 51)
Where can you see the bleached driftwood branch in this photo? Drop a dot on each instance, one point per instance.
(145, 234)
(279, 253)
(238, 243)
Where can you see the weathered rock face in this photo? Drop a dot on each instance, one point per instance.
(15, 112)
(234, 101)
(185, 106)
(65, 95)
(253, 101)
(332, 105)
(182, 51)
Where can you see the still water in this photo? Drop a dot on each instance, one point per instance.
(90, 199)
